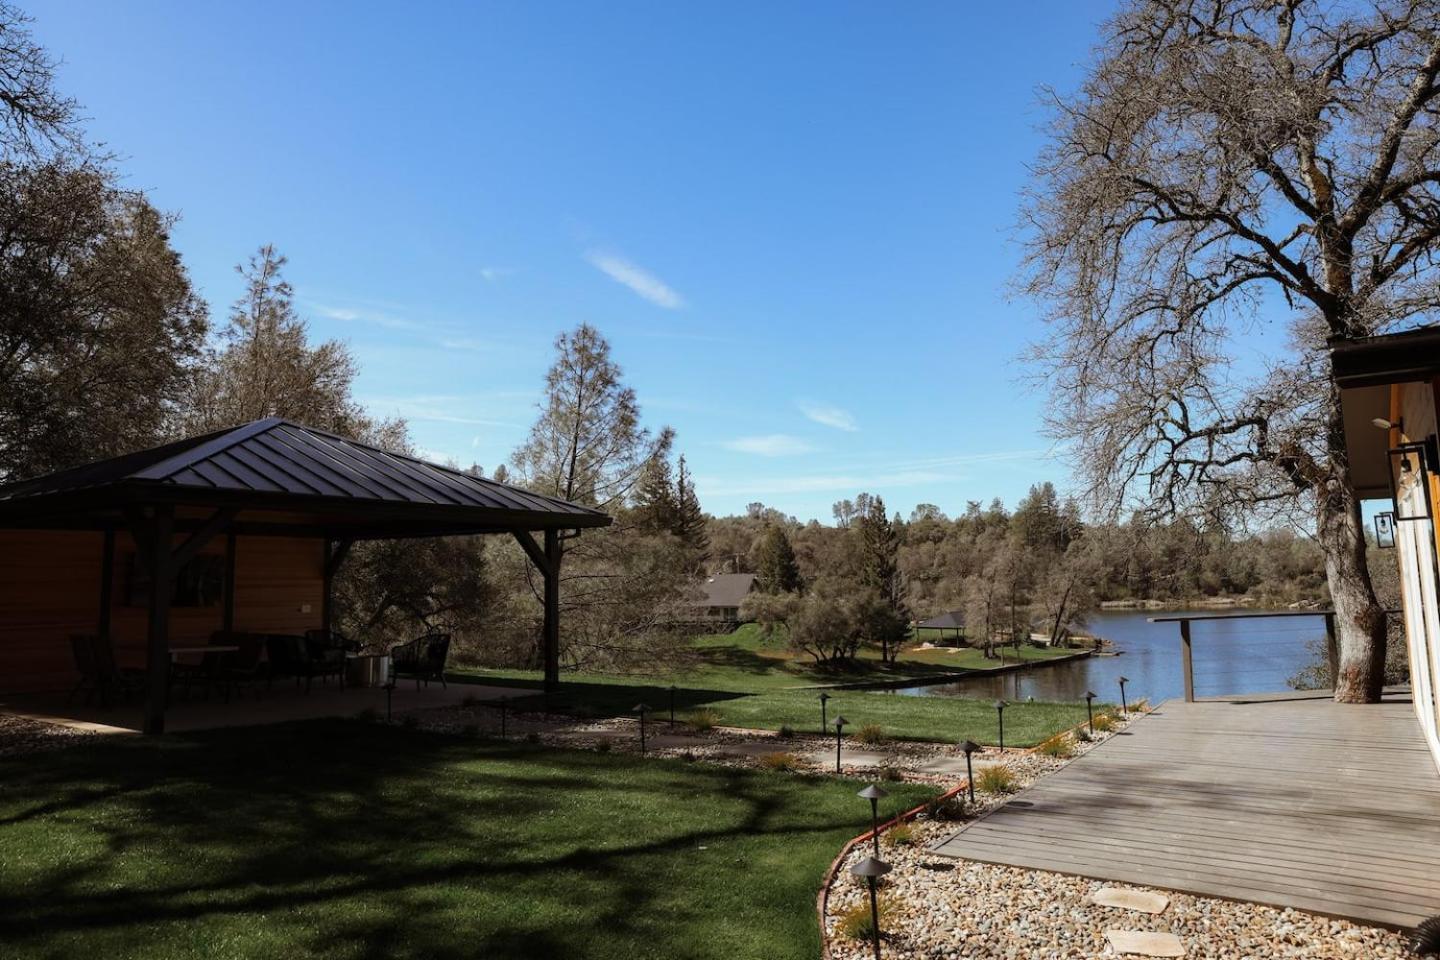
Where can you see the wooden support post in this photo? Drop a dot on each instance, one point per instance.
(552, 609)
(1187, 660)
(107, 582)
(1332, 649)
(227, 617)
(335, 554)
(162, 580)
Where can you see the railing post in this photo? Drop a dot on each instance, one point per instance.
(1188, 662)
(1332, 651)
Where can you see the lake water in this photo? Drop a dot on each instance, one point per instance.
(1230, 657)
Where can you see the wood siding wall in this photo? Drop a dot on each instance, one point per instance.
(50, 589)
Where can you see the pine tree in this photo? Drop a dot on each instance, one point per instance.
(776, 570)
(689, 518)
(881, 570)
(656, 500)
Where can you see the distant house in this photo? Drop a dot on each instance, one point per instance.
(723, 594)
(954, 622)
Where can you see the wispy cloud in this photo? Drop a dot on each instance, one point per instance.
(492, 274)
(641, 281)
(818, 483)
(438, 408)
(829, 416)
(365, 315)
(769, 445)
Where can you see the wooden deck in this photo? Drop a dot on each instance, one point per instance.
(1293, 801)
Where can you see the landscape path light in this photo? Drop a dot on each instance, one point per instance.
(1000, 706)
(504, 708)
(872, 869)
(1124, 704)
(874, 794)
(969, 747)
(640, 708)
(1090, 710)
(389, 698)
(672, 705)
(839, 733)
(824, 726)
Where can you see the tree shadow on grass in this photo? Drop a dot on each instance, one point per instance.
(342, 839)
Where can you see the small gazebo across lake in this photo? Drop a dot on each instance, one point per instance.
(276, 505)
(954, 621)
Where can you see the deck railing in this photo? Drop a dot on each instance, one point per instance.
(1332, 652)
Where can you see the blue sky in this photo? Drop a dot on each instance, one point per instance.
(793, 221)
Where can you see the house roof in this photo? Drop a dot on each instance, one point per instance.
(280, 465)
(726, 589)
(954, 620)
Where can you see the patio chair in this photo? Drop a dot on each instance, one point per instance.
(287, 656)
(326, 650)
(207, 674)
(423, 658)
(100, 678)
(245, 664)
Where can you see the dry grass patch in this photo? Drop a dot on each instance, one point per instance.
(996, 780)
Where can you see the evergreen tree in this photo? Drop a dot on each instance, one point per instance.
(776, 570)
(881, 564)
(656, 501)
(689, 518)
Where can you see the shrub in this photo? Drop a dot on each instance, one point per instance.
(900, 835)
(888, 771)
(1058, 748)
(702, 720)
(871, 734)
(532, 737)
(785, 762)
(996, 780)
(1140, 706)
(946, 808)
(855, 923)
(603, 745)
(368, 715)
(470, 730)
(1082, 735)
(1104, 723)
(409, 721)
(786, 731)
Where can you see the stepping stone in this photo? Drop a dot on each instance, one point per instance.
(954, 766)
(1143, 943)
(677, 741)
(758, 748)
(848, 758)
(1142, 901)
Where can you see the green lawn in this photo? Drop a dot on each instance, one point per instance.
(340, 839)
(749, 683)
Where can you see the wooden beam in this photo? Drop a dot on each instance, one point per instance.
(1187, 660)
(551, 632)
(334, 556)
(532, 549)
(141, 532)
(107, 581)
(227, 615)
(162, 583)
(217, 522)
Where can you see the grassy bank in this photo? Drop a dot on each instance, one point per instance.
(338, 839)
(744, 681)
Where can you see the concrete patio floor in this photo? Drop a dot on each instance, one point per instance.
(283, 703)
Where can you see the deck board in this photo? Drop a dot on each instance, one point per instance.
(1289, 801)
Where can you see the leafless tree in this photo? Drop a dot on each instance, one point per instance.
(35, 120)
(1225, 163)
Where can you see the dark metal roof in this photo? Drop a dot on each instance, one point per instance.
(1387, 358)
(954, 620)
(277, 464)
(726, 589)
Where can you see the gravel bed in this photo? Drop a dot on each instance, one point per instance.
(19, 736)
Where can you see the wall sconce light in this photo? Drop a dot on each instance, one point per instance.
(1410, 467)
(1385, 530)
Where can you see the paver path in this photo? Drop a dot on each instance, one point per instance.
(1289, 801)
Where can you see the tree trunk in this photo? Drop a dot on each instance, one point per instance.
(1359, 618)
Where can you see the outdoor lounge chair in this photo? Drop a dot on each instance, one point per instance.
(100, 678)
(423, 658)
(298, 657)
(245, 664)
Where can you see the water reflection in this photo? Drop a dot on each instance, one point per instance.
(1230, 656)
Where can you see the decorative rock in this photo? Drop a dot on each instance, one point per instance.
(1145, 943)
(849, 758)
(1142, 901)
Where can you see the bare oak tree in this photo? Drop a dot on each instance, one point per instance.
(1227, 162)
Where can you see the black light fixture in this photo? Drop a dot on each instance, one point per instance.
(824, 699)
(672, 705)
(839, 733)
(1124, 704)
(871, 869)
(504, 709)
(1090, 710)
(969, 747)
(389, 698)
(1385, 530)
(1425, 938)
(640, 708)
(1411, 465)
(1000, 706)
(874, 794)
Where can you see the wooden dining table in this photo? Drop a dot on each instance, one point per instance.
(203, 648)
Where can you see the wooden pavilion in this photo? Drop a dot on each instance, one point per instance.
(270, 507)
